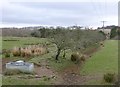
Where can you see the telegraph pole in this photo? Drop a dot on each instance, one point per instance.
(103, 22)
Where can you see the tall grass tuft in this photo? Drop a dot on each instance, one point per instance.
(28, 51)
(109, 77)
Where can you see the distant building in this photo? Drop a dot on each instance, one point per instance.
(20, 65)
(106, 31)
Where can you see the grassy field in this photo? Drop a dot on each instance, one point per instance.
(37, 60)
(103, 61)
(16, 81)
(21, 41)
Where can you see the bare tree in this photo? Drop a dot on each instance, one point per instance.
(63, 41)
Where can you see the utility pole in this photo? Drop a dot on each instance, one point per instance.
(103, 22)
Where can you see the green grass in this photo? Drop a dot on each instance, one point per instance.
(49, 56)
(56, 65)
(103, 61)
(18, 81)
(21, 41)
(0, 79)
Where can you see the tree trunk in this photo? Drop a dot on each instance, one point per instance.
(64, 54)
(58, 53)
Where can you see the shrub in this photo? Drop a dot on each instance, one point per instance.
(45, 78)
(22, 53)
(16, 51)
(82, 58)
(102, 32)
(101, 43)
(109, 77)
(28, 53)
(75, 57)
(7, 55)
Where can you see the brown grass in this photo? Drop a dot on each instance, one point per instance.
(31, 50)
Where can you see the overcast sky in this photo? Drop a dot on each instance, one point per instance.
(61, 13)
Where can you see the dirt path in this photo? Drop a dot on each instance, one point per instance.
(44, 70)
(71, 75)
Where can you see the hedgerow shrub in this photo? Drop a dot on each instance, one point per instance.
(82, 58)
(75, 57)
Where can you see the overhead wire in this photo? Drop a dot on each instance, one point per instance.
(102, 9)
(96, 9)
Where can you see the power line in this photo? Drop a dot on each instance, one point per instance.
(97, 9)
(103, 22)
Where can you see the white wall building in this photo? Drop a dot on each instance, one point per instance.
(106, 31)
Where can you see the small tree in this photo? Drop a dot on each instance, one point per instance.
(63, 41)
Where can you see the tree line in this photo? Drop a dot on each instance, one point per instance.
(15, 32)
(74, 39)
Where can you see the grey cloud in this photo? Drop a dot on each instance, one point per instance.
(87, 13)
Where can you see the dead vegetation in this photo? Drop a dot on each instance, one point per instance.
(31, 50)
